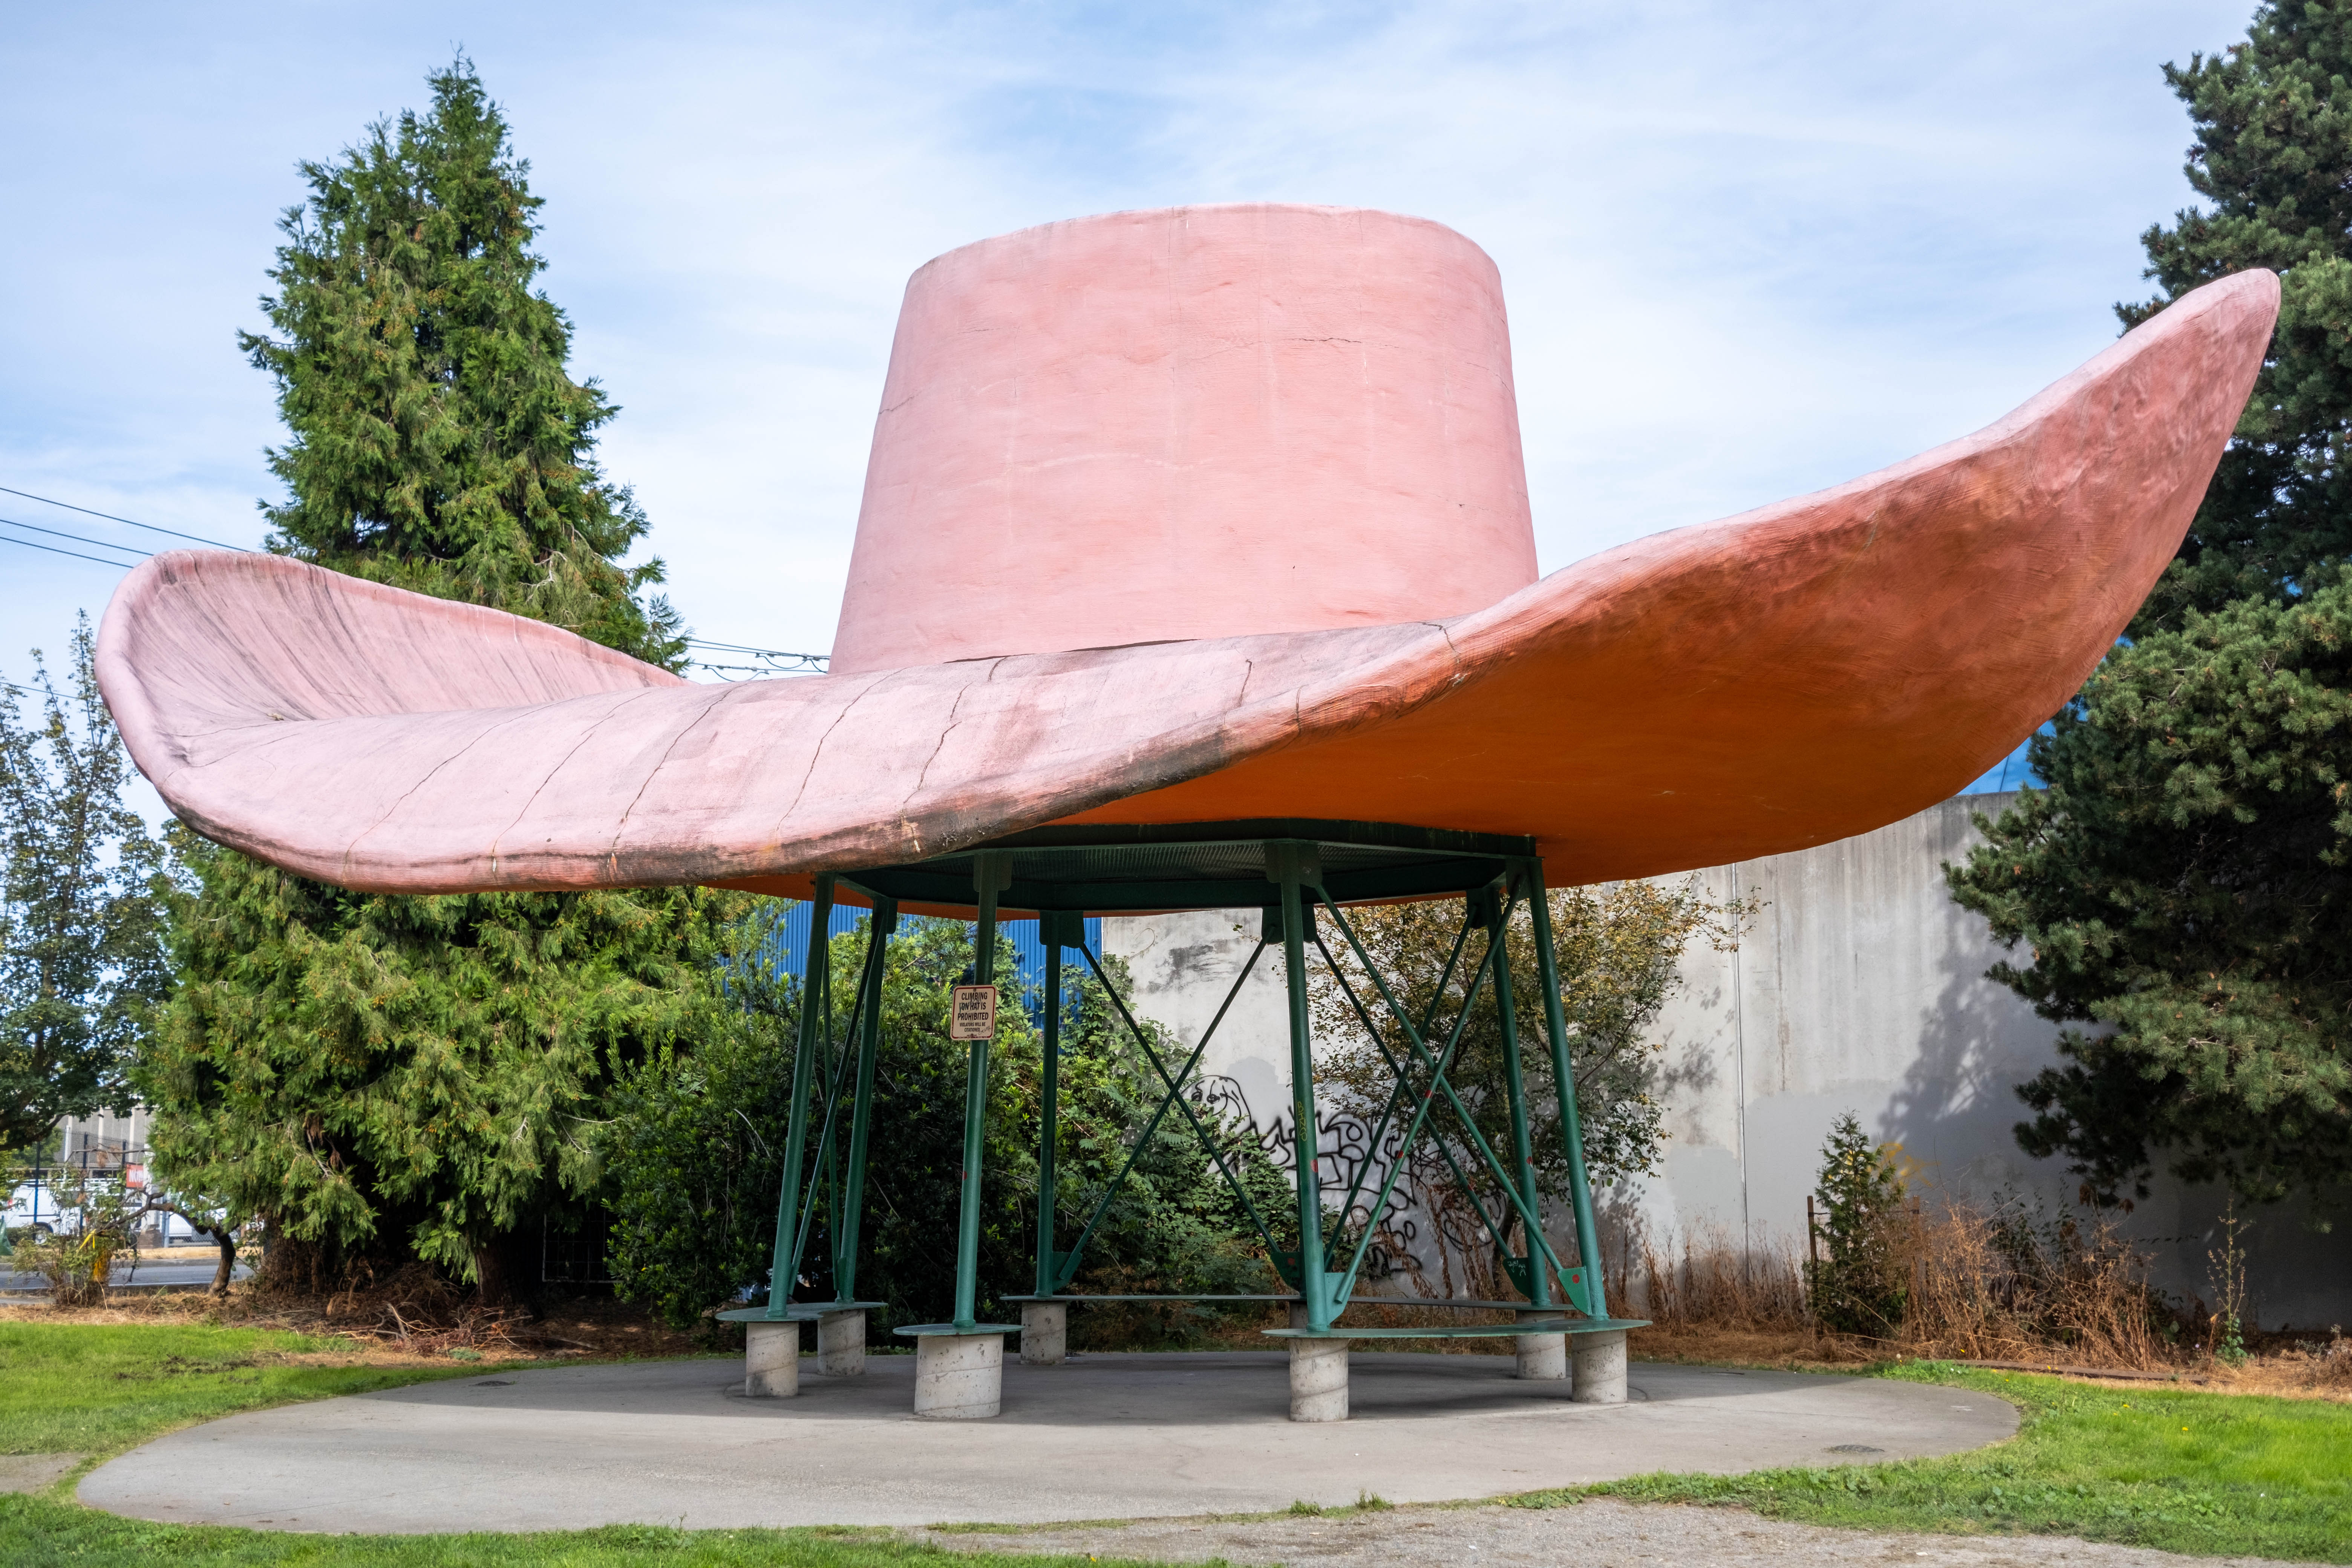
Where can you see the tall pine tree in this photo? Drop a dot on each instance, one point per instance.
(436, 441)
(2184, 884)
(425, 1077)
(2273, 161)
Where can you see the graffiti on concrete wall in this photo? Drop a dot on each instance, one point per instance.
(1419, 1241)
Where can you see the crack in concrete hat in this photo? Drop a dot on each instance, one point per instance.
(1207, 514)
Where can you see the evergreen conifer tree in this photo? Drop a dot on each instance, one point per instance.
(2185, 881)
(436, 441)
(82, 890)
(2273, 161)
(425, 1077)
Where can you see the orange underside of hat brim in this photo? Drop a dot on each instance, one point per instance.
(1808, 671)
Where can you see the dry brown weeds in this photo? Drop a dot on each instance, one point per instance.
(1710, 1283)
(1984, 1284)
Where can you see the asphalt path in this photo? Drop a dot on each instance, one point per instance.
(1107, 1437)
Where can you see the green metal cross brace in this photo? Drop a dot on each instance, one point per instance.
(1174, 1082)
(784, 1266)
(832, 1089)
(1477, 1139)
(848, 1218)
(1429, 1016)
(992, 873)
(1397, 1094)
(1594, 1300)
(1292, 864)
(1426, 1100)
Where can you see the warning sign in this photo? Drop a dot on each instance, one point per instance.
(972, 1013)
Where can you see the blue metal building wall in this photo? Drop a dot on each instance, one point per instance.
(787, 946)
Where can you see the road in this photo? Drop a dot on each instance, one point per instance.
(181, 1267)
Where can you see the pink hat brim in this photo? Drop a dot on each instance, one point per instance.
(1801, 673)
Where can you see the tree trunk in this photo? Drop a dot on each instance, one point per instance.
(224, 1236)
(506, 1269)
(226, 1239)
(289, 1264)
(493, 1278)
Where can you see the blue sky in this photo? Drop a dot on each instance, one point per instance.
(1749, 250)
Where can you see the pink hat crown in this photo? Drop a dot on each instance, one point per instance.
(1196, 422)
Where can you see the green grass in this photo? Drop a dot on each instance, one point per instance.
(38, 1533)
(101, 1389)
(2183, 1471)
(2211, 1474)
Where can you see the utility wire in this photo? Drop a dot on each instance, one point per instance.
(741, 647)
(78, 538)
(118, 565)
(47, 500)
(769, 661)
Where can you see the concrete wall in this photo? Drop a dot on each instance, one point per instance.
(1859, 986)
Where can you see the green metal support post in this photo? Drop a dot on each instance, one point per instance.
(815, 975)
(848, 1217)
(1499, 919)
(1053, 926)
(1285, 862)
(1594, 1301)
(991, 873)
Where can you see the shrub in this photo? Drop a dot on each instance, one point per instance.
(77, 1257)
(1708, 1280)
(695, 1158)
(1858, 1284)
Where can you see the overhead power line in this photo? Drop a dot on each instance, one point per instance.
(765, 660)
(80, 538)
(128, 522)
(11, 538)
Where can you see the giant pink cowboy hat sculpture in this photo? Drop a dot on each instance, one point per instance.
(1209, 527)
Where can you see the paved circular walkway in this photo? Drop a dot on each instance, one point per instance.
(1105, 1437)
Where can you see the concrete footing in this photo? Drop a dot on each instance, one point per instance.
(771, 1360)
(1045, 1333)
(1318, 1380)
(958, 1377)
(1600, 1369)
(1543, 1357)
(841, 1343)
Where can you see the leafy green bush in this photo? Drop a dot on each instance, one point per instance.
(77, 1257)
(694, 1156)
